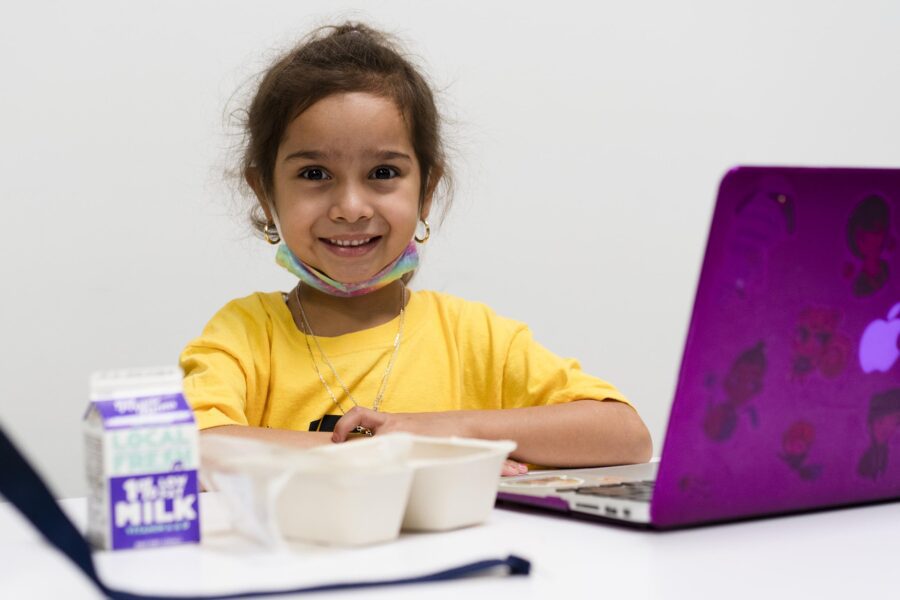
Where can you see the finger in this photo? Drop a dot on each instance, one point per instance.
(354, 418)
(508, 470)
(512, 467)
(345, 425)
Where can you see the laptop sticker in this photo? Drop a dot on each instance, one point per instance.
(883, 423)
(762, 219)
(879, 346)
(869, 238)
(796, 444)
(743, 383)
(818, 346)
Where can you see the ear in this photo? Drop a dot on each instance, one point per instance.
(434, 177)
(251, 176)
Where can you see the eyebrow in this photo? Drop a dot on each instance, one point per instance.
(320, 155)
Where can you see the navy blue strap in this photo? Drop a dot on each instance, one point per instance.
(22, 486)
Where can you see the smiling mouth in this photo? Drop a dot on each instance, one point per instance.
(354, 243)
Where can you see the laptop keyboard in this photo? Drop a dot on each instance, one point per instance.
(640, 491)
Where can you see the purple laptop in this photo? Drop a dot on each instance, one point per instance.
(788, 396)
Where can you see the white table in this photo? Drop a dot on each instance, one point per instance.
(849, 553)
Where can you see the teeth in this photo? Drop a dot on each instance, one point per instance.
(350, 242)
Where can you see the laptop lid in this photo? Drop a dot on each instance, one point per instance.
(788, 397)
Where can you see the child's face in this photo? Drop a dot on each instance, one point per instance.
(346, 171)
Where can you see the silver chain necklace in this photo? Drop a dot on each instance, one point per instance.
(387, 371)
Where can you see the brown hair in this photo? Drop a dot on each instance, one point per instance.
(350, 57)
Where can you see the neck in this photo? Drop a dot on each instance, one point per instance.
(330, 316)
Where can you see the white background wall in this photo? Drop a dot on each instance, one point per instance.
(589, 141)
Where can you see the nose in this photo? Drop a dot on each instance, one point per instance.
(350, 204)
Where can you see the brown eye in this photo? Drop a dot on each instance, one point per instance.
(313, 174)
(384, 173)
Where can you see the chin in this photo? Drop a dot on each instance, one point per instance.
(353, 277)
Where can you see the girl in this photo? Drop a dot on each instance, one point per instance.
(344, 156)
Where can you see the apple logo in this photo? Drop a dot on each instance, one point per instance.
(878, 348)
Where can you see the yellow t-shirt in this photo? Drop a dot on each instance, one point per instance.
(251, 365)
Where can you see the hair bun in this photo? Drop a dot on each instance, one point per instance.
(350, 28)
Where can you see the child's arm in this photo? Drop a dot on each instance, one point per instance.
(296, 439)
(575, 434)
(310, 439)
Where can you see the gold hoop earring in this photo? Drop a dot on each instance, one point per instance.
(427, 235)
(271, 233)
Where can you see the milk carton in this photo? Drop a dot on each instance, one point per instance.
(142, 459)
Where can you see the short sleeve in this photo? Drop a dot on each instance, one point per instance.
(534, 376)
(220, 373)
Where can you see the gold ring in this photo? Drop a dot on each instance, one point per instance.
(360, 430)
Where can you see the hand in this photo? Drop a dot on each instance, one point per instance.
(511, 467)
(435, 424)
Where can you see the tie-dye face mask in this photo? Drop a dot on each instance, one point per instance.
(405, 263)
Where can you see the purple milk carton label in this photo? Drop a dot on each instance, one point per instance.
(154, 510)
(142, 461)
(143, 411)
